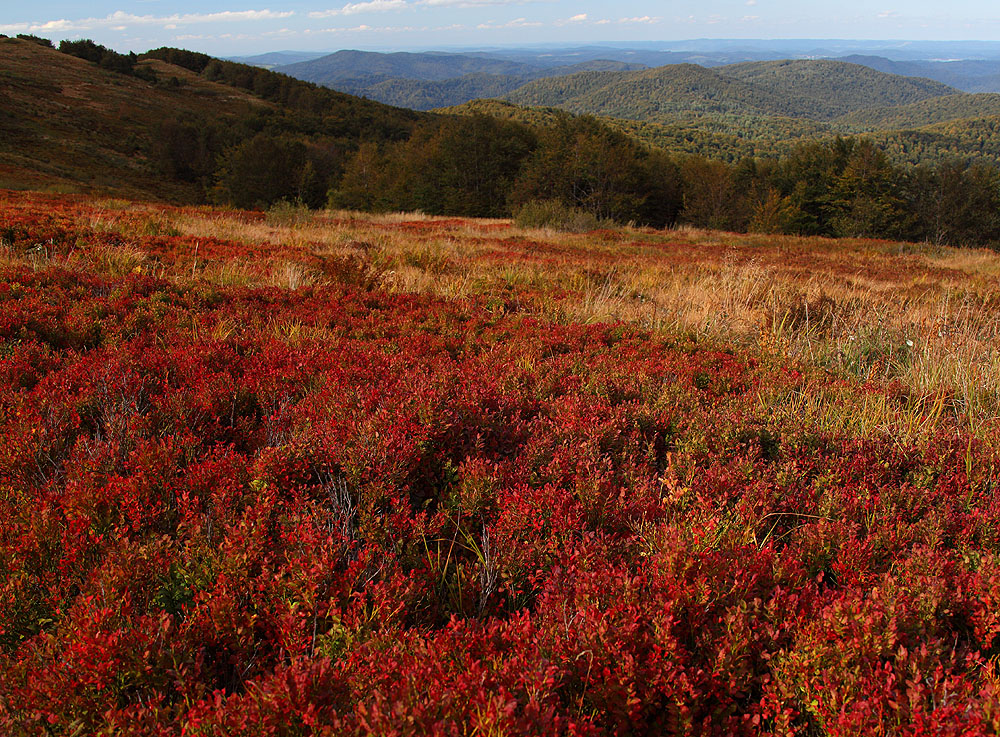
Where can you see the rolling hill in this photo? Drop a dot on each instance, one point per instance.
(815, 90)
(70, 125)
(427, 80)
(934, 111)
(968, 75)
(723, 111)
(936, 130)
(824, 89)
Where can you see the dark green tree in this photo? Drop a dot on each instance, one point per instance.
(585, 164)
(260, 171)
(866, 199)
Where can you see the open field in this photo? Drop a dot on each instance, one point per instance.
(332, 473)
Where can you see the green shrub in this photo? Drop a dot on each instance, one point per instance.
(554, 214)
(287, 213)
(35, 40)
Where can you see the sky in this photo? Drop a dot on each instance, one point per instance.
(242, 27)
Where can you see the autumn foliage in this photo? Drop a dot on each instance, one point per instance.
(333, 510)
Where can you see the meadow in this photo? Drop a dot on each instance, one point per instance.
(295, 472)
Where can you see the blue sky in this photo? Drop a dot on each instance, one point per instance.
(235, 27)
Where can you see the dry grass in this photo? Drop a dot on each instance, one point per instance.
(925, 316)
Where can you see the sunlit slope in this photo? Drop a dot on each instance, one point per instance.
(68, 124)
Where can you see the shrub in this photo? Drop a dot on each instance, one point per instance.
(35, 40)
(287, 213)
(554, 214)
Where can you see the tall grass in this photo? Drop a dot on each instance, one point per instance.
(927, 317)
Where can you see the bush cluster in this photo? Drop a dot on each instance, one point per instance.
(554, 214)
(107, 58)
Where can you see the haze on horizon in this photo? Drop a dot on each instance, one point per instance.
(245, 27)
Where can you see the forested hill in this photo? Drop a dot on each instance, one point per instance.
(969, 130)
(427, 80)
(934, 111)
(816, 90)
(969, 75)
(428, 66)
(824, 89)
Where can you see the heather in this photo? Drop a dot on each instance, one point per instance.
(292, 473)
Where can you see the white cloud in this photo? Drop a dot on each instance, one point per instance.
(584, 18)
(472, 3)
(372, 6)
(516, 23)
(365, 28)
(120, 19)
(380, 6)
(640, 19)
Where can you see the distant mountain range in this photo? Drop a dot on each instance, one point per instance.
(968, 75)
(276, 58)
(427, 80)
(423, 81)
(723, 99)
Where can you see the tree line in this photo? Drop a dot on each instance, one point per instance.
(480, 166)
(846, 187)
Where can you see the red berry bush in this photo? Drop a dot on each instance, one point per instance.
(330, 511)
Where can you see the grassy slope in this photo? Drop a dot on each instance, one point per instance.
(290, 473)
(847, 306)
(70, 125)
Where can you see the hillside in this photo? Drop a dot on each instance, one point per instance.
(69, 124)
(934, 111)
(966, 139)
(968, 75)
(815, 90)
(423, 81)
(715, 137)
(419, 94)
(825, 89)
(654, 94)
